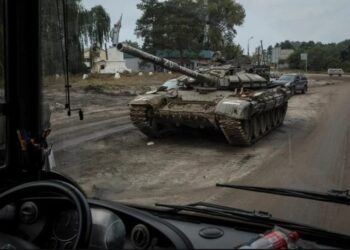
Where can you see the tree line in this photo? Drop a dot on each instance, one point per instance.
(84, 28)
(190, 25)
(173, 24)
(320, 56)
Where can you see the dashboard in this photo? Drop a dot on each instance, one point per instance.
(53, 223)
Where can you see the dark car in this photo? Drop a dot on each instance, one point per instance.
(296, 83)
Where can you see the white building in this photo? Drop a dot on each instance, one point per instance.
(115, 62)
(280, 56)
(106, 63)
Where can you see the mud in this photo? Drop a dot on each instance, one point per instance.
(112, 160)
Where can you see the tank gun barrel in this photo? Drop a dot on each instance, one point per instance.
(122, 47)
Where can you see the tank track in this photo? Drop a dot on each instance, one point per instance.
(237, 132)
(141, 119)
(242, 132)
(234, 131)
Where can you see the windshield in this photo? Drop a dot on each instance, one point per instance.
(2, 87)
(142, 147)
(287, 78)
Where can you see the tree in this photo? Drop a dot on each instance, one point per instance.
(322, 56)
(95, 25)
(286, 45)
(83, 27)
(232, 51)
(173, 24)
(224, 15)
(180, 24)
(147, 26)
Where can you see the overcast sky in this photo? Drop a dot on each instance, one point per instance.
(269, 20)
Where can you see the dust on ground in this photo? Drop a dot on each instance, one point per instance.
(121, 166)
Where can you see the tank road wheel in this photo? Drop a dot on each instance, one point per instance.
(256, 127)
(274, 117)
(263, 125)
(281, 115)
(283, 112)
(248, 131)
(268, 118)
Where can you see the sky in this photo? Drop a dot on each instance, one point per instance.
(269, 20)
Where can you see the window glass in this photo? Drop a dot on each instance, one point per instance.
(1, 50)
(2, 85)
(142, 145)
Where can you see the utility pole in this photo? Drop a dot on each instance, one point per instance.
(262, 52)
(306, 66)
(248, 44)
(304, 57)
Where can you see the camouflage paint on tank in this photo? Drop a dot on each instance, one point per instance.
(239, 103)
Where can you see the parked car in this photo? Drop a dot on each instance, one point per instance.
(338, 72)
(296, 83)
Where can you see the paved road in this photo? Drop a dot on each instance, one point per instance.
(318, 160)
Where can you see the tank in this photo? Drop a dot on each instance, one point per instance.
(222, 97)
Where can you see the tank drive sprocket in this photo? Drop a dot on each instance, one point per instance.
(142, 118)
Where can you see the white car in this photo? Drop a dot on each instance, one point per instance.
(338, 72)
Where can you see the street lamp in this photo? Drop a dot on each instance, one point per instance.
(248, 44)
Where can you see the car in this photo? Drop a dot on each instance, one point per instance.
(338, 72)
(295, 82)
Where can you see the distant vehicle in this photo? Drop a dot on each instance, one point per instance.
(295, 82)
(338, 72)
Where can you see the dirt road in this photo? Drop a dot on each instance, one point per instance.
(318, 159)
(111, 159)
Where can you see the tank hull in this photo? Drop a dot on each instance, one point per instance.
(243, 118)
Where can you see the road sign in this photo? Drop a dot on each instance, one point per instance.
(303, 57)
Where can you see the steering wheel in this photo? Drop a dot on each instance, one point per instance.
(56, 187)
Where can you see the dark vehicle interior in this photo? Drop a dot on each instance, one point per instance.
(43, 209)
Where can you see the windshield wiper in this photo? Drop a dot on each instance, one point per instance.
(333, 196)
(262, 218)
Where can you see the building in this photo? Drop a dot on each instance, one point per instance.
(105, 62)
(280, 56)
(98, 56)
(136, 64)
(190, 59)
